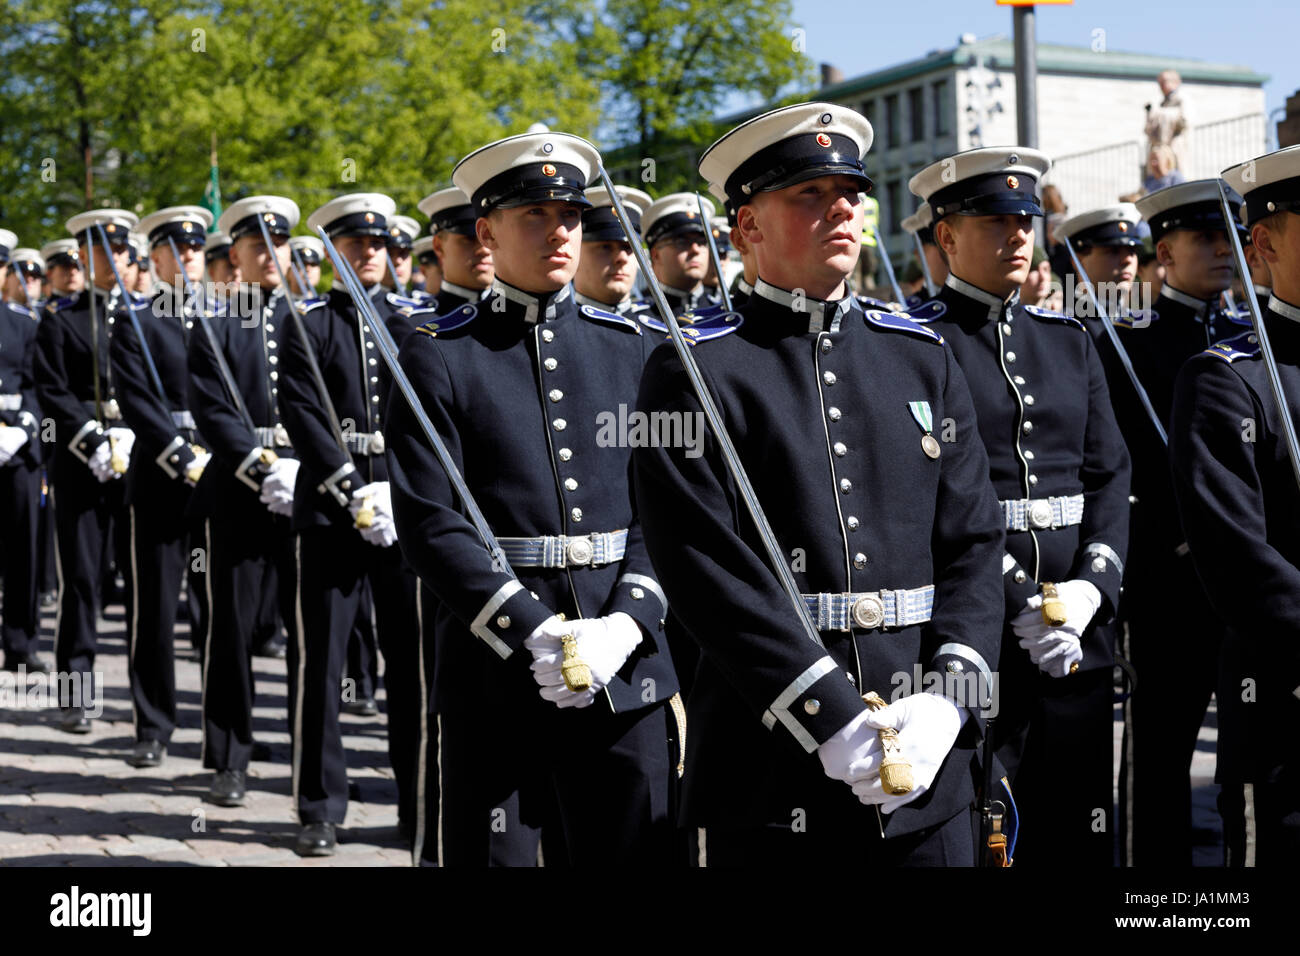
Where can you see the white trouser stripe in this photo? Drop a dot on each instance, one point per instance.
(135, 618)
(207, 646)
(421, 767)
(302, 668)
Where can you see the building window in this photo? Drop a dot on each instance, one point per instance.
(868, 110)
(942, 108)
(894, 193)
(916, 114)
(891, 121)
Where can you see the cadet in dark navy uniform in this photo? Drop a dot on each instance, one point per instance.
(514, 387)
(21, 457)
(63, 268)
(466, 263)
(23, 279)
(1240, 507)
(309, 252)
(426, 260)
(216, 257)
(336, 554)
(402, 231)
(92, 446)
(896, 540)
(679, 250)
(169, 459)
(1173, 634)
(249, 482)
(1106, 241)
(607, 270)
(1060, 468)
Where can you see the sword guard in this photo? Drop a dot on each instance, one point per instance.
(895, 770)
(1054, 612)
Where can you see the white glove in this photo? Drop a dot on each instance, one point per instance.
(382, 531)
(196, 467)
(1053, 650)
(124, 440)
(277, 487)
(927, 726)
(853, 753)
(603, 644)
(11, 439)
(101, 463)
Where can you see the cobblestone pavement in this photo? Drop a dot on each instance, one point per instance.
(73, 800)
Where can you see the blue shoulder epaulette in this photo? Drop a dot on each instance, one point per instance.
(693, 316)
(609, 318)
(867, 302)
(902, 322)
(407, 304)
(1136, 320)
(441, 324)
(23, 310)
(913, 302)
(1241, 316)
(1245, 345)
(1048, 315)
(927, 311)
(314, 302)
(713, 326)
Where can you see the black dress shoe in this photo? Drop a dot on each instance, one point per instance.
(261, 751)
(73, 721)
(33, 662)
(315, 839)
(147, 753)
(228, 788)
(272, 647)
(365, 707)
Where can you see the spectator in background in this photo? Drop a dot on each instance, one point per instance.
(1167, 122)
(1054, 213)
(867, 261)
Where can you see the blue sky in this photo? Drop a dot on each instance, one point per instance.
(863, 35)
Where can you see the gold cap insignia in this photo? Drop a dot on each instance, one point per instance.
(548, 170)
(823, 139)
(1013, 182)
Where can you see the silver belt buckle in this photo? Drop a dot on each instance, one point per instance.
(280, 435)
(1040, 514)
(376, 444)
(580, 551)
(869, 611)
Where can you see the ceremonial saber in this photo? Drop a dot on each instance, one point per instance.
(713, 254)
(1120, 351)
(889, 266)
(116, 461)
(572, 668)
(398, 285)
(154, 378)
(1266, 350)
(897, 777)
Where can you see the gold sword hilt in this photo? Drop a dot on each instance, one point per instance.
(1054, 613)
(195, 472)
(895, 771)
(577, 675)
(366, 513)
(116, 460)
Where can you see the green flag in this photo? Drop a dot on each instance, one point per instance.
(212, 191)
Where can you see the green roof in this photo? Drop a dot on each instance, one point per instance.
(999, 54)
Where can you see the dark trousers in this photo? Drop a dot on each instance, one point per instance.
(1060, 764)
(768, 848)
(332, 563)
(47, 577)
(160, 558)
(20, 501)
(597, 786)
(83, 509)
(1174, 644)
(427, 785)
(245, 550)
(363, 652)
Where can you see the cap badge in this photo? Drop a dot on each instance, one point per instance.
(1123, 227)
(269, 216)
(548, 170)
(370, 217)
(1013, 182)
(823, 140)
(187, 226)
(110, 228)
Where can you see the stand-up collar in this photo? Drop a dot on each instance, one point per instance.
(534, 306)
(617, 308)
(1284, 309)
(995, 305)
(823, 316)
(1200, 307)
(469, 295)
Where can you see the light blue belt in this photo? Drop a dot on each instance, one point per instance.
(276, 437)
(565, 551)
(184, 419)
(871, 609)
(1040, 514)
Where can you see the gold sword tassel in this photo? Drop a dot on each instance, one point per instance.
(895, 771)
